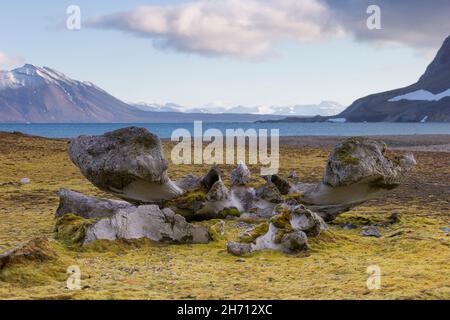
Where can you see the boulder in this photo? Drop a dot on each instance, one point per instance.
(128, 163)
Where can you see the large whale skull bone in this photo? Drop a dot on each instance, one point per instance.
(128, 163)
(357, 170)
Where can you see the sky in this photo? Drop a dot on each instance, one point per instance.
(228, 52)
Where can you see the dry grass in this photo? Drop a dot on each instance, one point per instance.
(413, 255)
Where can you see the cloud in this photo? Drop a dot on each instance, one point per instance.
(415, 23)
(251, 28)
(8, 60)
(243, 28)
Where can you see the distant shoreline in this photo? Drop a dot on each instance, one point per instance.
(417, 142)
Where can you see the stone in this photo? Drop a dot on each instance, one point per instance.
(239, 249)
(128, 163)
(25, 181)
(88, 207)
(347, 226)
(240, 175)
(147, 221)
(371, 231)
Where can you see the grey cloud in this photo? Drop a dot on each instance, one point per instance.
(415, 23)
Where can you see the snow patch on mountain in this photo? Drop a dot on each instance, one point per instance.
(422, 95)
(34, 77)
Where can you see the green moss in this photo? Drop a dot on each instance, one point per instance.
(38, 262)
(71, 230)
(282, 222)
(260, 230)
(294, 196)
(345, 152)
(186, 199)
(216, 231)
(121, 246)
(232, 211)
(358, 219)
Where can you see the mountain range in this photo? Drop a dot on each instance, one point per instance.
(43, 95)
(31, 94)
(325, 108)
(427, 100)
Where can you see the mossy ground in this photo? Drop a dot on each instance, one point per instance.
(413, 255)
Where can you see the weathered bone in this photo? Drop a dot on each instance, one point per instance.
(357, 170)
(128, 163)
(240, 175)
(286, 231)
(121, 220)
(147, 221)
(87, 207)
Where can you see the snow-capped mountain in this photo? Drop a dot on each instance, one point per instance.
(157, 107)
(325, 108)
(33, 94)
(43, 95)
(426, 100)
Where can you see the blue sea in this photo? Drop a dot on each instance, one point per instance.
(164, 130)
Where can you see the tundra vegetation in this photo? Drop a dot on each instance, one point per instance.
(412, 252)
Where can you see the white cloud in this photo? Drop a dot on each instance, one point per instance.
(243, 28)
